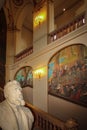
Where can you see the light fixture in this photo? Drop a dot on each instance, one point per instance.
(39, 73)
(83, 20)
(38, 19)
(64, 9)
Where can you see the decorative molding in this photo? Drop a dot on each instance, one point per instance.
(12, 28)
(18, 2)
(38, 4)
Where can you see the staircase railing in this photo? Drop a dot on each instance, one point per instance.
(45, 121)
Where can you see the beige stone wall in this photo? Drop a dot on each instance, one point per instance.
(38, 95)
(41, 59)
(70, 14)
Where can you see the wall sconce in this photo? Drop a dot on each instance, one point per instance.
(38, 19)
(39, 73)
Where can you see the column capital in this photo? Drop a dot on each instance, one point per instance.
(12, 27)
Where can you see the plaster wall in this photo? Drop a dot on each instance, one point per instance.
(27, 94)
(66, 110)
(40, 60)
(38, 95)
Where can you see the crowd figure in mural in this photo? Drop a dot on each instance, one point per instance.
(70, 81)
(25, 77)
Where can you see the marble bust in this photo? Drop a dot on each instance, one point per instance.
(13, 114)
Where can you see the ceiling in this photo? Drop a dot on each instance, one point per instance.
(60, 5)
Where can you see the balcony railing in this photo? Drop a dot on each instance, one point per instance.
(44, 121)
(71, 26)
(23, 54)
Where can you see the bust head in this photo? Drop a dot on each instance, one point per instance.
(13, 93)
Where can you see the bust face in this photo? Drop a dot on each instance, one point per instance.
(14, 95)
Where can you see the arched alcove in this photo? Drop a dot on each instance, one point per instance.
(24, 22)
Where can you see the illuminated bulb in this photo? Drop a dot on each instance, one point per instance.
(39, 19)
(39, 73)
(64, 9)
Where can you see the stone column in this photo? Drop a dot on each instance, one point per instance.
(43, 20)
(10, 52)
(40, 29)
(85, 10)
(51, 15)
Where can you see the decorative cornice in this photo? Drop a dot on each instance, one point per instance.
(38, 4)
(12, 28)
(18, 2)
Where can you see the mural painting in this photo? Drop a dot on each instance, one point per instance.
(25, 76)
(67, 74)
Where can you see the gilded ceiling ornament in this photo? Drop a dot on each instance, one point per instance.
(18, 2)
